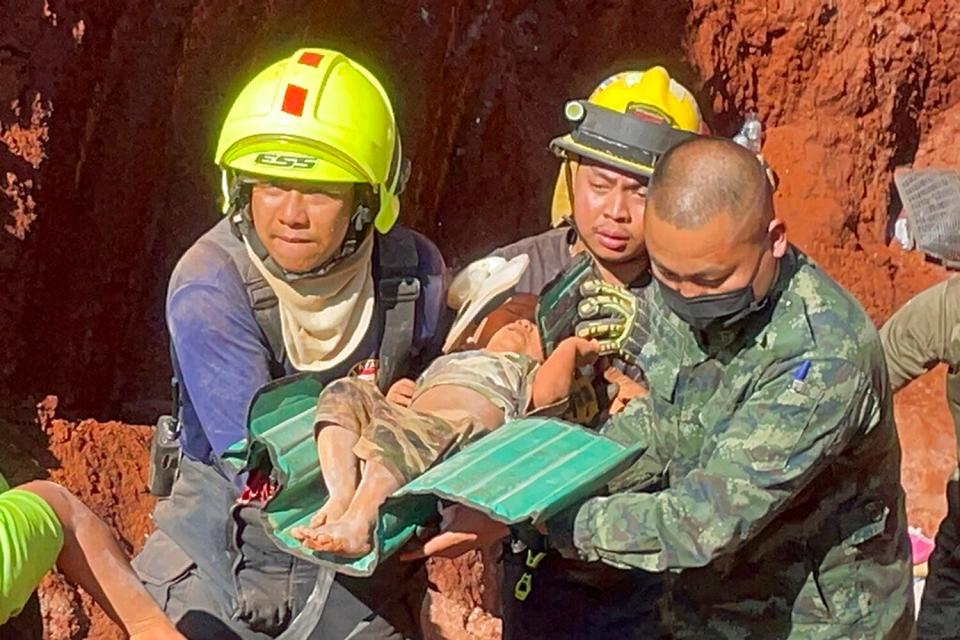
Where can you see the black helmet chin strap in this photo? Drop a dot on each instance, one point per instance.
(241, 220)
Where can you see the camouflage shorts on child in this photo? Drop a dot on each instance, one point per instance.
(403, 440)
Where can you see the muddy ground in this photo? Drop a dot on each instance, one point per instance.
(109, 110)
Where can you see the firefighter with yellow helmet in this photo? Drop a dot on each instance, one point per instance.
(617, 134)
(649, 96)
(306, 273)
(616, 137)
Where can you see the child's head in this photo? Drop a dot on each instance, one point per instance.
(519, 336)
(510, 328)
(480, 287)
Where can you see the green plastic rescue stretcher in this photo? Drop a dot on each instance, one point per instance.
(526, 471)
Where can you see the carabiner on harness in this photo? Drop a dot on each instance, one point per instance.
(525, 584)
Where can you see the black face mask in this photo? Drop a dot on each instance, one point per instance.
(714, 310)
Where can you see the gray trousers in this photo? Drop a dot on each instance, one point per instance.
(214, 571)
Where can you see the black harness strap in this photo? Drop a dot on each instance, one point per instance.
(398, 290)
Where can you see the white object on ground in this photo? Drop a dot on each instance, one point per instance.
(901, 231)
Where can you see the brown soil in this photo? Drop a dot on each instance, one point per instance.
(929, 449)
(108, 112)
(105, 465)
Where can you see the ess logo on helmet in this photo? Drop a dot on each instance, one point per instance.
(287, 162)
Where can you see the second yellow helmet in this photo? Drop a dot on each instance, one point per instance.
(651, 96)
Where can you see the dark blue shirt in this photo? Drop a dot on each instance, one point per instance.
(222, 357)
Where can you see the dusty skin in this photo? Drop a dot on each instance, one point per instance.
(343, 526)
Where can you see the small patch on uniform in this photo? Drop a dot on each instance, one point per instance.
(366, 370)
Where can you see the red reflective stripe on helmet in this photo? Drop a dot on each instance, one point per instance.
(647, 113)
(294, 99)
(311, 59)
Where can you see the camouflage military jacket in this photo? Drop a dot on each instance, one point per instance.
(778, 511)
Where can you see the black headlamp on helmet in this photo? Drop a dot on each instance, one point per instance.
(620, 140)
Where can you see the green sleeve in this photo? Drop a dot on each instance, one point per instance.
(30, 541)
(629, 427)
(772, 446)
(923, 333)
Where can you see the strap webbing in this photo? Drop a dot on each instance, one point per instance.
(397, 292)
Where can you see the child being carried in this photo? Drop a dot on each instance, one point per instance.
(369, 445)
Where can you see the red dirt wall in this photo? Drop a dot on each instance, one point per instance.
(849, 91)
(109, 111)
(125, 182)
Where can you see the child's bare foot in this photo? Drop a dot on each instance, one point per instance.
(332, 510)
(349, 538)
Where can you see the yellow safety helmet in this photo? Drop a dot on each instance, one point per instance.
(317, 116)
(628, 122)
(652, 92)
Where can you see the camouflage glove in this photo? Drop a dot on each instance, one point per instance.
(614, 317)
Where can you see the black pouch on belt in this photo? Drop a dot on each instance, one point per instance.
(165, 450)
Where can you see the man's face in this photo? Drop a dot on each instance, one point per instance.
(717, 257)
(302, 225)
(608, 207)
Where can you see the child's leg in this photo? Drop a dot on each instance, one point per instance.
(396, 445)
(340, 468)
(342, 410)
(350, 535)
(92, 559)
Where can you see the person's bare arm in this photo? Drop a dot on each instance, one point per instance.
(554, 378)
(92, 559)
(627, 389)
(401, 392)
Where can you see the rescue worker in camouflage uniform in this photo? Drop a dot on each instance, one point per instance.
(778, 510)
(922, 334)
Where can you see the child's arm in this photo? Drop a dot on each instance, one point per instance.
(553, 379)
(401, 392)
(627, 389)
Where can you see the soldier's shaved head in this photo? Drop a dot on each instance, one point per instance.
(710, 225)
(704, 177)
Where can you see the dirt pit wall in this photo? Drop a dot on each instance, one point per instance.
(118, 106)
(109, 112)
